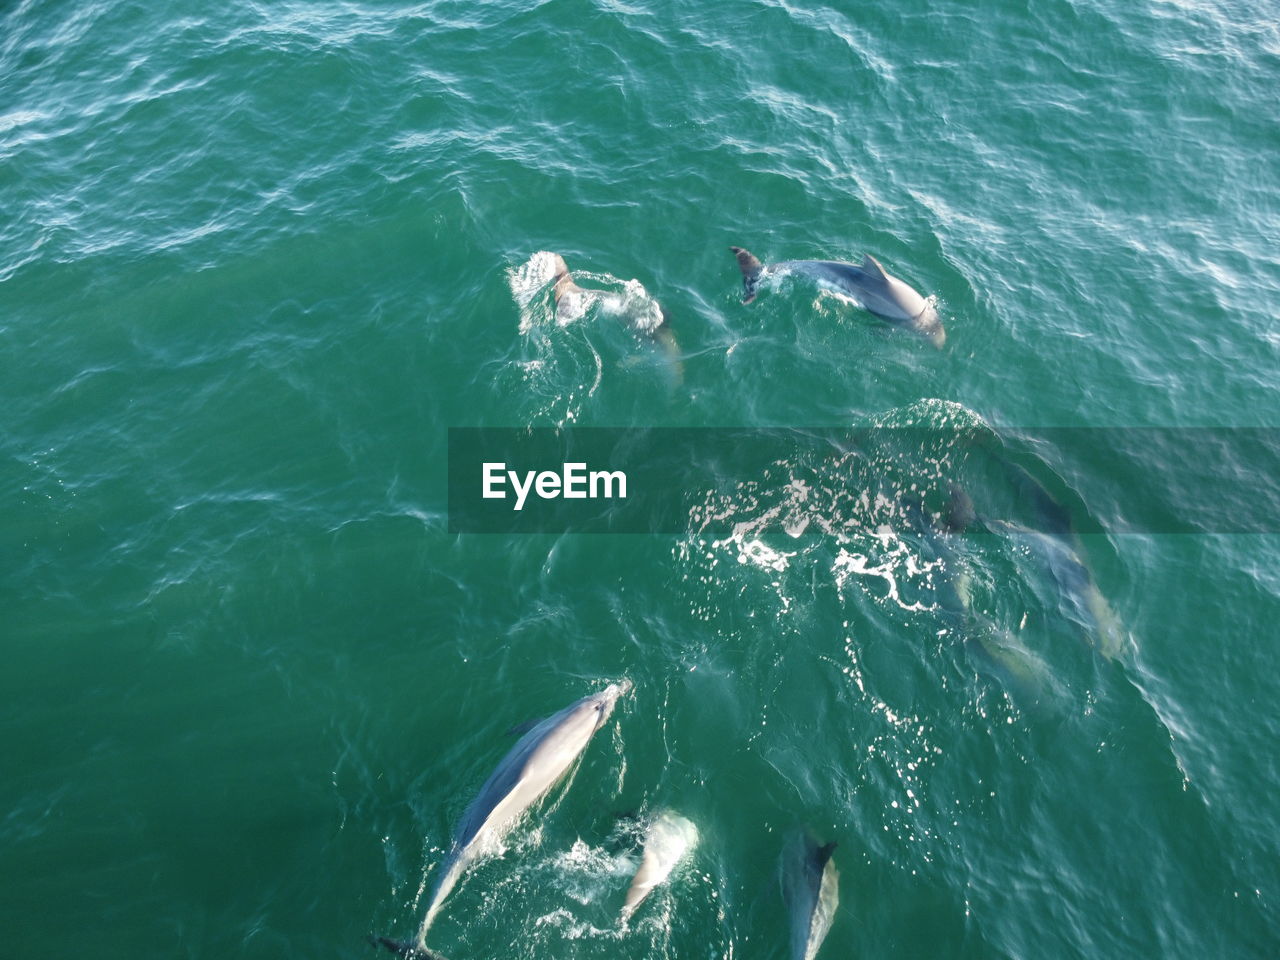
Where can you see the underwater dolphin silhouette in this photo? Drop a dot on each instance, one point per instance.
(1053, 541)
(996, 650)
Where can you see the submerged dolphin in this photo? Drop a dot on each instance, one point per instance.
(1075, 583)
(1057, 546)
(667, 840)
(643, 314)
(867, 283)
(810, 887)
(995, 650)
(999, 653)
(526, 774)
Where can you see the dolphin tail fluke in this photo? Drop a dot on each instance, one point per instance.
(564, 281)
(404, 948)
(752, 269)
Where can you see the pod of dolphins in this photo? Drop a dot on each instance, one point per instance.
(546, 752)
(866, 284)
(540, 760)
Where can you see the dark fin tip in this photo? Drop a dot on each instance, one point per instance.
(824, 852)
(751, 269)
(403, 948)
(520, 729)
(961, 514)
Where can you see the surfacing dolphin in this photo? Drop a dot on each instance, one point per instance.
(669, 837)
(526, 774)
(642, 314)
(867, 283)
(810, 887)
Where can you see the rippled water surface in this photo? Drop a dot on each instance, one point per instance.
(255, 258)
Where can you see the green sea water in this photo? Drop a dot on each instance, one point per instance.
(257, 258)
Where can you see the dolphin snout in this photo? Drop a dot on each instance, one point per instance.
(930, 325)
(616, 691)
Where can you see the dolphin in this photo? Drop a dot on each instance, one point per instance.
(525, 775)
(810, 887)
(996, 650)
(643, 314)
(1075, 583)
(868, 283)
(1057, 546)
(669, 837)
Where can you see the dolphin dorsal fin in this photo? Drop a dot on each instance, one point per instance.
(872, 266)
(520, 729)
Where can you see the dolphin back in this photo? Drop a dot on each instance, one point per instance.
(471, 833)
(505, 777)
(810, 885)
